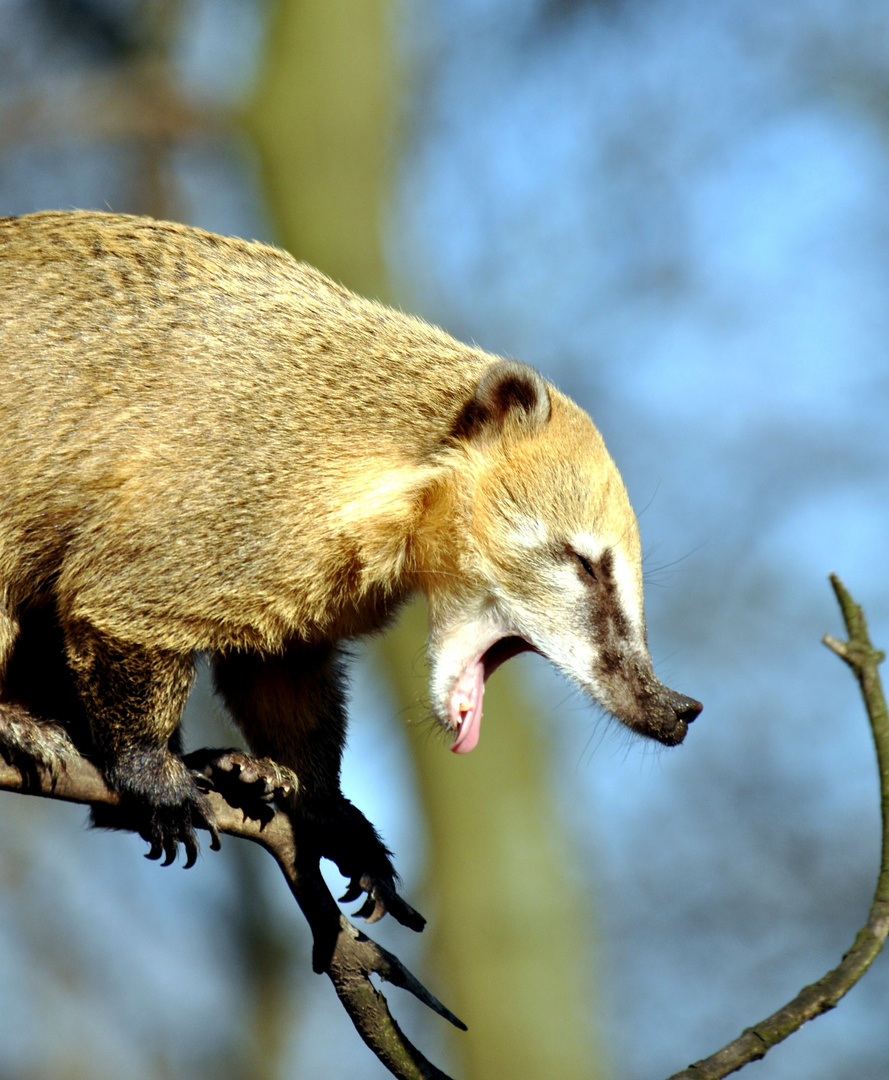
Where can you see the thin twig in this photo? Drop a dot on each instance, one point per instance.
(812, 1001)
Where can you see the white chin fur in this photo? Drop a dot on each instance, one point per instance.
(457, 682)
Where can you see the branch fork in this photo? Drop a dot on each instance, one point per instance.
(341, 951)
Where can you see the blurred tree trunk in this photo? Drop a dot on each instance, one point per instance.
(512, 933)
(319, 120)
(509, 953)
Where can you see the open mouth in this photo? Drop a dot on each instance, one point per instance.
(465, 701)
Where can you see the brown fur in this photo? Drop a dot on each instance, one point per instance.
(208, 446)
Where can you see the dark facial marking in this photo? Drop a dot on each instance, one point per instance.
(637, 696)
(608, 622)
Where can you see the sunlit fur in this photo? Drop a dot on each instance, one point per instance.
(509, 511)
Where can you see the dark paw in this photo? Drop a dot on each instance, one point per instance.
(161, 801)
(345, 836)
(169, 826)
(247, 782)
(164, 826)
(33, 746)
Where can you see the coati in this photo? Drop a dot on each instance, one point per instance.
(207, 446)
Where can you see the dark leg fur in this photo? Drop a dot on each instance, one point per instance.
(291, 708)
(38, 677)
(35, 691)
(134, 699)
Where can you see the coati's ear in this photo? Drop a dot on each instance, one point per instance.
(508, 394)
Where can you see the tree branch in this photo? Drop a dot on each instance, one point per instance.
(812, 1001)
(340, 950)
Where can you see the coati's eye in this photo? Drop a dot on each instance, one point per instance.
(587, 566)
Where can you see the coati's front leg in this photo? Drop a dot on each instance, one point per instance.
(133, 698)
(291, 708)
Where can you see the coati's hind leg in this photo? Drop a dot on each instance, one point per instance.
(134, 699)
(291, 707)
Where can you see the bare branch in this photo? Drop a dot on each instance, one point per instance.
(340, 950)
(812, 1001)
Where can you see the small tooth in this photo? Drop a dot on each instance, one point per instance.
(463, 707)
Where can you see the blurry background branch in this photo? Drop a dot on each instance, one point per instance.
(139, 101)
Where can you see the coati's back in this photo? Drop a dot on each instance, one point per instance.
(196, 417)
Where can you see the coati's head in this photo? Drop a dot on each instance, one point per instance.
(538, 549)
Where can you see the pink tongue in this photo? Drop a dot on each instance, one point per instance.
(466, 707)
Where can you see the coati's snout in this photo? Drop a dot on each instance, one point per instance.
(664, 715)
(684, 710)
(624, 682)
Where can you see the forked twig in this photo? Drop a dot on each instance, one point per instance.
(812, 1001)
(340, 950)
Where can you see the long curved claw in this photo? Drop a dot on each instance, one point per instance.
(215, 840)
(157, 847)
(372, 910)
(381, 898)
(191, 850)
(354, 890)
